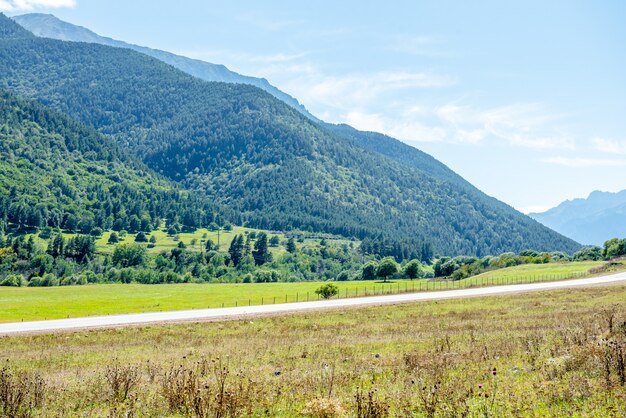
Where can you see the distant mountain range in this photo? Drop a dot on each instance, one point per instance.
(49, 26)
(256, 156)
(593, 220)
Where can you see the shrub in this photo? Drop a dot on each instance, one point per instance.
(12, 280)
(327, 291)
(20, 394)
(122, 380)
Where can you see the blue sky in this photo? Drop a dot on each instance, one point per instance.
(524, 99)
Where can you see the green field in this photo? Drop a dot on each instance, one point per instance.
(554, 352)
(31, 303)
(535, 272)
(35, 303)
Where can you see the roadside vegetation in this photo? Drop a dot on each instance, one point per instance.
(37, 303)
(230, 254)
(543, 354)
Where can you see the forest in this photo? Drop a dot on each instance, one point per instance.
(262, 161)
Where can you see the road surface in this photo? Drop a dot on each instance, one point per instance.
(110, 321)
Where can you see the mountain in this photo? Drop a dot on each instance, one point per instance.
(267, 162)
(593, 220)
(56, 172)
(49, 26)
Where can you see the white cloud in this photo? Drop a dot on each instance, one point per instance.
(610, 146)
(407, 130)
(356, 91)
(579, 162)
(27, 5)
(521, 124)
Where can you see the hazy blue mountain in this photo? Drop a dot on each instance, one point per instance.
(593, 220)
(49, 26)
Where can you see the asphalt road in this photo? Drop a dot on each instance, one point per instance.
(113, 321)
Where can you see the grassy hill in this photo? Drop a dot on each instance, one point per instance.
(247, 150)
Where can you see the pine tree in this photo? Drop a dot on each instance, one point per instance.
(247, 248)
(236, 249)
(291, 246)
(261, 251)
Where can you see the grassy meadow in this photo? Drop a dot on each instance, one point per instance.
(547, 354)
(35, 303)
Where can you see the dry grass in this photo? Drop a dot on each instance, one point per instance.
(554, 354)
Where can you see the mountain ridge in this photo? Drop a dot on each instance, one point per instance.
(246, 149)
(50, 26)
(592, 220)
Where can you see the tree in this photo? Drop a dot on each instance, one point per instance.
(291, 245)
(126, 255)
(210, 246)
(134, 223)
(236, 249)
(274, 241)
(327, 291)
(247, 248)
(261, 251)
(153, 239)
(56, 247)
(369, 271)
(113, 238)
(413, 269)
(386, 268)
(141, 237)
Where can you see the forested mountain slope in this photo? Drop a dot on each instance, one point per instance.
(252, 152)
(49, 26)
(56, 172)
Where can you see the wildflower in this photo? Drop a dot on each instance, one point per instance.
(494, 372)
(480, 386)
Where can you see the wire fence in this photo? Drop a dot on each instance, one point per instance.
(398, 287)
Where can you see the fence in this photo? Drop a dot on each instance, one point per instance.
(390, 288)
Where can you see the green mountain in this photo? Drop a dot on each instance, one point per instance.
(56, 172)
(49, 26)
(593, 220)
(251, 152)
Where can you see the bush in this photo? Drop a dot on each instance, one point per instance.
(12, 280)
(327, 291)
(343, 276)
